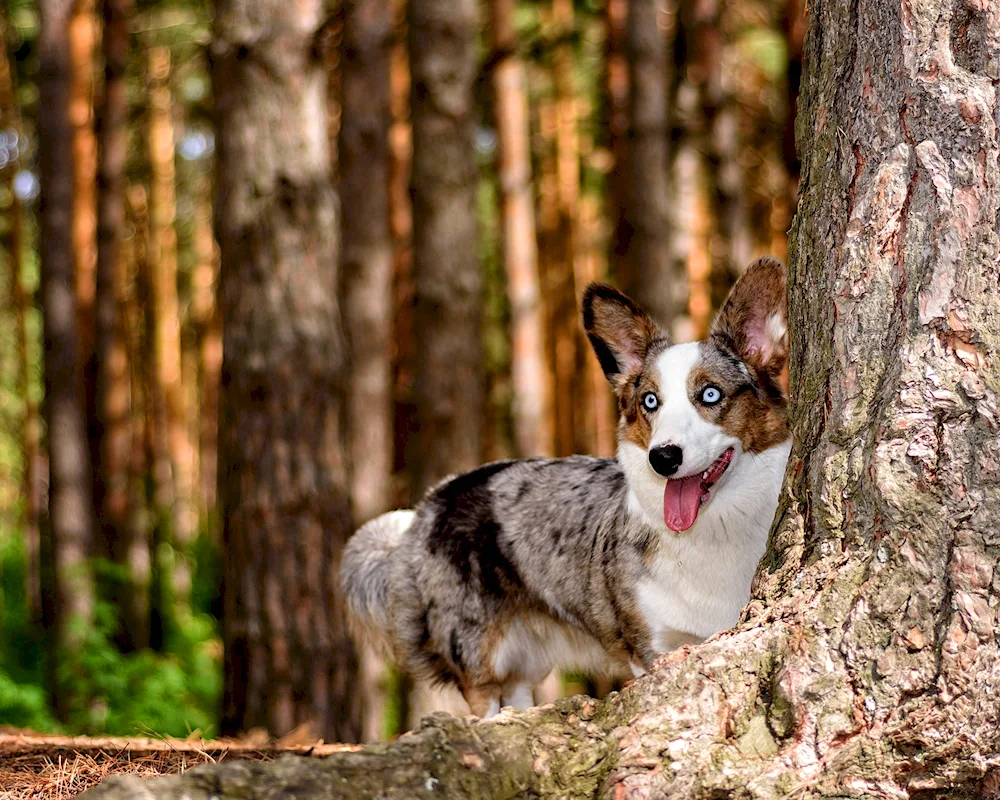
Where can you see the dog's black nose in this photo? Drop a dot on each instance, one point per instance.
(665, 459)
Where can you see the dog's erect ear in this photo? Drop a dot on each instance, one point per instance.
(619, 331)
(754, 318)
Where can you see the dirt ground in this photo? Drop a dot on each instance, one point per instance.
(34, 767)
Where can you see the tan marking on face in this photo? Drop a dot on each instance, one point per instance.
(635, 422)
(758, 422)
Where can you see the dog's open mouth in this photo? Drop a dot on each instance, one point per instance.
(683, 497)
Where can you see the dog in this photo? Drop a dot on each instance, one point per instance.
(518, 567)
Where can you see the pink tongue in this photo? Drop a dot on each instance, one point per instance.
(681, 501)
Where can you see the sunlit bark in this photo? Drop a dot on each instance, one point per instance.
(529, 369)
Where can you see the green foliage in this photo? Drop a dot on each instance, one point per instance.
(766, 48)
(170, 693)
(24, 705)
(23, 701)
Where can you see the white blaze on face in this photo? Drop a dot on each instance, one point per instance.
(677, 421)
(666, 505)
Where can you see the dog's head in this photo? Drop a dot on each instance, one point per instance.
(689, 413)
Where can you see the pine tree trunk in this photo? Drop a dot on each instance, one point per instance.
(653, 279)
(366, 286)
(142, 475)
(162, 251)
(109, 366)
(867, 661)
(686, 155)
(529, 370)
(282, 474)
(153, 470)
(208, 323)
(401, 229)
(82, 41)
(366, 265)
(448, 379)
(731, 247)
(559, 190)
(70, 506)
(599, 406)
(616, 97)
(448, 286)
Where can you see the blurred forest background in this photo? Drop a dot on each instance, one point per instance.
(272, 268)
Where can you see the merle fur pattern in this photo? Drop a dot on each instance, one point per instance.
(503, 573)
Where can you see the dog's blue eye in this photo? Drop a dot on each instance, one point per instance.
(711, 395)
(650, 401)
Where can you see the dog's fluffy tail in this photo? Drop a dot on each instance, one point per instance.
(364, 575)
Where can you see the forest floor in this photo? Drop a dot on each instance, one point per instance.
(33, 767)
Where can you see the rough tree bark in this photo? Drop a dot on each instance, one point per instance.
(866, 663)
(282, 474)
(651, 276)
(366, 266)
(109, 365)
(366, 286)
(448, 286)
(70, 507)
(529, 373)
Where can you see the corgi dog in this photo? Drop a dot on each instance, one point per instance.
(518, 567)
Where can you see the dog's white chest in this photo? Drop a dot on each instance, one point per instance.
(693, 592)
(700, 580)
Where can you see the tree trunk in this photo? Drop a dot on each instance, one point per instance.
(109, 365)
(404, 349)
(82, 41)
(616, 97)
(867, 661)
(70, 506)
(652, 276)
(208, 325)
(529, 371)
(366, 278)
(718, 130)
(559, 190)
(153, 470)
(448, 286)
(366, 286)
(401, 229)
(162, 260)
(448, 377)
(282, 473)
(599, 406)
(573, 388)
(143, 472)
